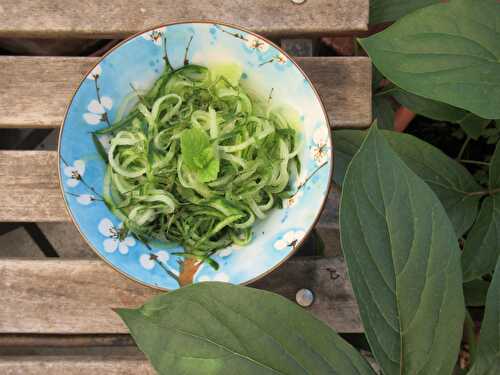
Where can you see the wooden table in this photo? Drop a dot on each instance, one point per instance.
(55, 314)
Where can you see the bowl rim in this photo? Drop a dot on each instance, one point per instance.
(166, 25)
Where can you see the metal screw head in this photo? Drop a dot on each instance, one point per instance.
(304, 297)
(298, 1)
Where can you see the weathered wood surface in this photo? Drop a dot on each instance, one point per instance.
(30, 187)
(121, 18)
(31, 192)
(76, 296)
(36, 90)
(74, 365)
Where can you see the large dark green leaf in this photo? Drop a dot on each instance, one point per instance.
(346, 144)
(391, 10)
(475, 292)
(488, 353)
(427, 107)
(482, 246)
(383, 112)
(473, 125)
(494, 182)
(446, 52)
(447, 178)
(216, 328)
(404, 263)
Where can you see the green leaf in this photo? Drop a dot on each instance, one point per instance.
(198, 155)
(475, 292)
(404, 263)
(391, 10)
(383, 112)
(210, 171)
(446, 177)
(347, 143)
(495, 169)
(446, 52)
(217, 328)
(473, 125)
(482, 246)
(488, 353)
(427, 107)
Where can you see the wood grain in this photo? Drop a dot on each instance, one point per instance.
(74, 365)
(36, 90)
(121, 18)
(76, 296)
(30, 187)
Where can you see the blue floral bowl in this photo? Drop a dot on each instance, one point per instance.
(137, 63)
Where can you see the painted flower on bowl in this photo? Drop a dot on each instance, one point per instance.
(320, 150)
(117, 240)
(289, 239)
(74, 172)
(97, 110)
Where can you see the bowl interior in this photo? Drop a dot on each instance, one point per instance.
(267, 72)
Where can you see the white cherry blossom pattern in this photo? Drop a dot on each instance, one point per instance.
(255, 43)
(290, 238)
(299, 183)
(97, 110)
(95, 73)
(115, 240)
(74, 172)
(148, 261)
(155, 36)
(319, 151)
(280, 59)
(85, 199)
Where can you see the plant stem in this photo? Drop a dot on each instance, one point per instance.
(474, 162)
(484, 192)
(464, 146)
(386, 91)
(186, 59)
(470, 336)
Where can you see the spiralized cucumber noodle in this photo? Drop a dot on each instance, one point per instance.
(197, 160)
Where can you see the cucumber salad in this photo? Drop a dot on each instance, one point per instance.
(198, 160)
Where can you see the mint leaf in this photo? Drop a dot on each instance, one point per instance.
(209, 172)
(198, 155)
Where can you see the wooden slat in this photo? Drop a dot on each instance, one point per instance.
(92, 365)
(76, 296)
(30, 187)
(121, 18)
(31, 192)
(36, 90)
(76, 365)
